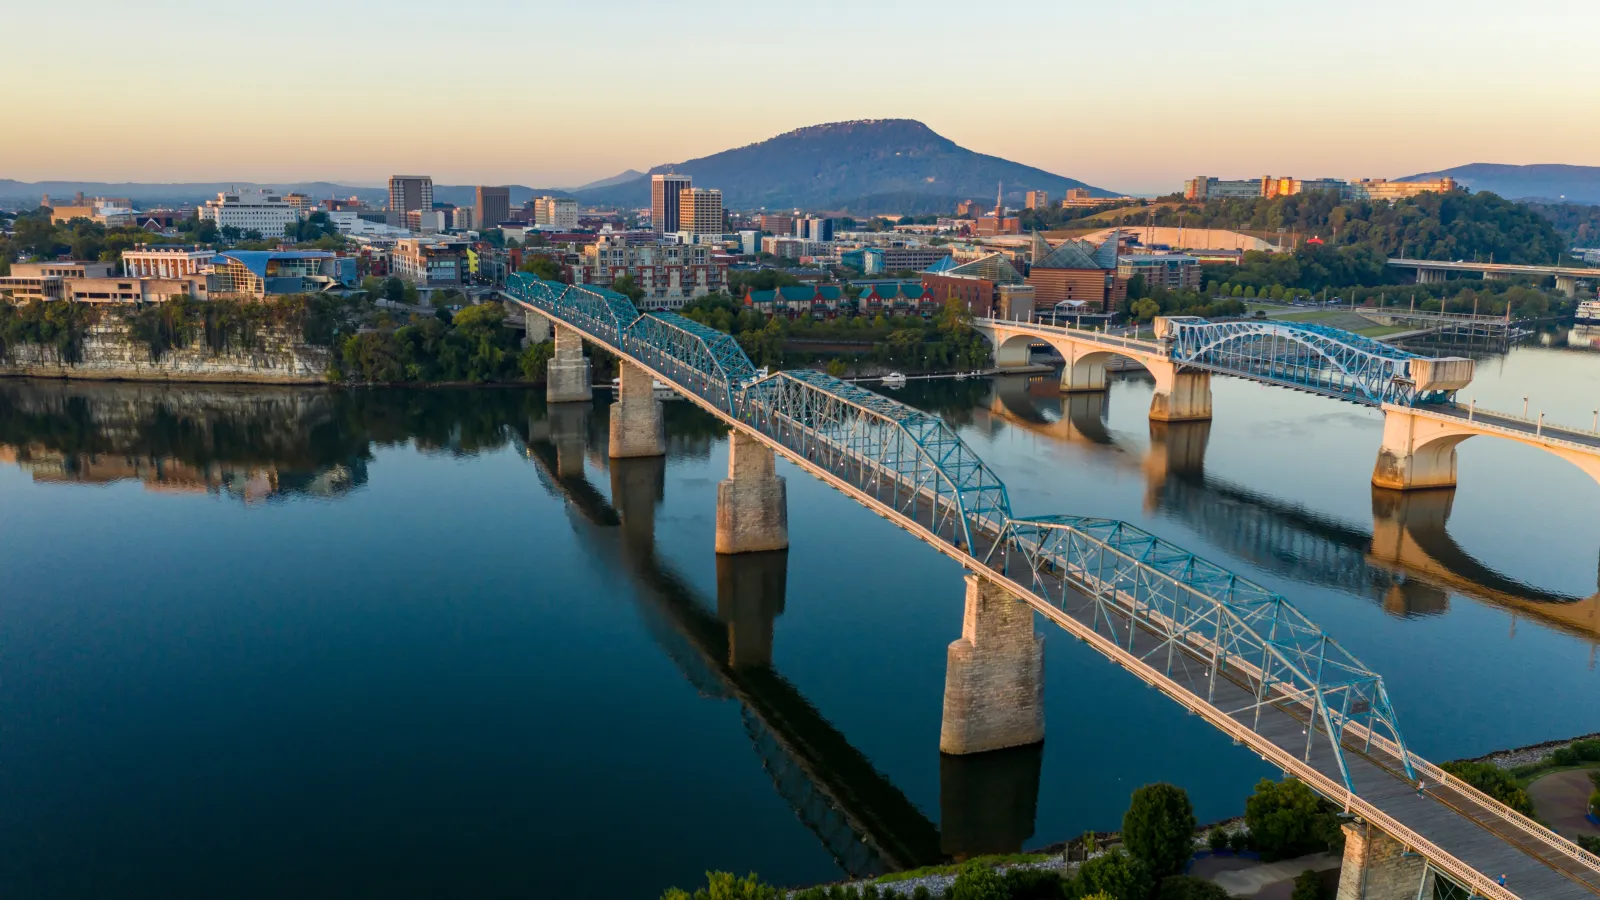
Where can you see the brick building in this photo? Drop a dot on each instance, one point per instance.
(1077, 271)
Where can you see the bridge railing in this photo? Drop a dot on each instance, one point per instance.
(1077, 334)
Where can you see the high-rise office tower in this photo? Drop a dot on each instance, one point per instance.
(664, 195)
(407, 193)
(700, 211)
(491, 206)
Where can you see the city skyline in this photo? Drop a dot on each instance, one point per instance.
(1244, 89)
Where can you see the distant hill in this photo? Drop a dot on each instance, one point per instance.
(15, 193)
(1574, 184)
(850, 167)
(620, 178)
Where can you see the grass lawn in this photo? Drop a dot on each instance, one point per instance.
(1005, 859)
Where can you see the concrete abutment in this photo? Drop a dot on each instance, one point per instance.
(994, 676)
(567, 378)
(752, 503)
(1182, 395)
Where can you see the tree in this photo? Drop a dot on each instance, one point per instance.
(1158, 828)
(1287, 819)
(544, 268)
(977, 881)
(1494, 781)
(394, 290)
(628, 287)
(1307, 886)
(724, 886)
(1117, 874)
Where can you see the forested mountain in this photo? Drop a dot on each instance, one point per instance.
(1576, 184)
(851, 167)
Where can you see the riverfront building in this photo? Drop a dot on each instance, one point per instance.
(263, 211)
(166, 261)
(669, 274)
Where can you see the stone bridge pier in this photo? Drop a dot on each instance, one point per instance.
(750, 594)
(752, 503)
(567, 379)
(636, 426)
(1377, 867)
(1182, 395)
(994, 675)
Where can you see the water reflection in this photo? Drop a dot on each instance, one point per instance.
(1408, 562)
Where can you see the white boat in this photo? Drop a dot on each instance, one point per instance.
(894, 379)
(660, 389)
(1589, 312)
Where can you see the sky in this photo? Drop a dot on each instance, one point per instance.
(1130, 95)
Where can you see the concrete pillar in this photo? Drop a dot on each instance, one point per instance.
(1567, 284)
(1377, 867)
(1416, 453)
(1013, 353)
(636, 427)
(568, 375)
(750, 595)
(538, 327)
(994, 675)
(1181, 395)
(1085, 371)
(752, 503)
(988, 801)
(569, 427)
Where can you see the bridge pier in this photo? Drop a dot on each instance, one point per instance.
(1084, 372)
(1567, 284)
(750, 594)
(994, 675)
(569, 425)
(536, 327)
(752, 503)
(636, 426)
(1377, 867)
(1416, 453)
(567, 379)
(1182, 395)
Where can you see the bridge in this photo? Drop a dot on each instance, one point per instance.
(1433, 270)
(1408, 562)
(1414, 391)
(724, 649)
(1231, 651)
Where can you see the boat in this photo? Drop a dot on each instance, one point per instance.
(659, 388)
(1589, 312)
(894, 380)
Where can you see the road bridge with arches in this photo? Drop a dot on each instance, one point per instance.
(1233, 652)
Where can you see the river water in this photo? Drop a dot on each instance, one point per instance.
(262, 642)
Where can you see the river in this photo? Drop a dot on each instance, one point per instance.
(260, 642)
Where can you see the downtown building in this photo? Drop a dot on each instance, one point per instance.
(699, 213)
(558, 213)
(263, 211)
(408, 193)
(669, 274)
(665, 194)
(491, 206)
(1204, 187)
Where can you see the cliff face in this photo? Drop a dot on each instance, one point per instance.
(110, 353)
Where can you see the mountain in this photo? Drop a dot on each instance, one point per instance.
(629, 175)
(844, 165)
(144, 195)
(1574, 184)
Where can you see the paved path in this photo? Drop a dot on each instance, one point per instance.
(1252, 879)
(1561, 799)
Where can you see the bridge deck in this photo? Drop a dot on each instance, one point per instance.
(1491, 421)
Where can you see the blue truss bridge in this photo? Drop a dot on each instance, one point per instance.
(1227, 649)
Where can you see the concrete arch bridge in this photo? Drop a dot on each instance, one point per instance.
(1423, 424)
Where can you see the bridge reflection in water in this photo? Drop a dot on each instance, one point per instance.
(724, 649)
(1408, 562)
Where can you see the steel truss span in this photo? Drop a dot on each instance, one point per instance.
(1301, 355)
(1228, 649)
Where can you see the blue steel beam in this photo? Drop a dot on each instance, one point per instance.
(915, 464)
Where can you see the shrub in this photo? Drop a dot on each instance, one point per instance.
(1117, 874)
(921, 893)
(724, 886)
(1287, 819)
(1594, 779)
(1594, 803)
(1035, 884)
(1308, 886)
(1589, 842)
(1239, 841)
(977, 881)
(1576, 753)
(1494, 781)
(1187, 887)
(1217, 840)
(1158, 829)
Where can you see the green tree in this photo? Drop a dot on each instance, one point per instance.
(1308, 886)
(394, 290)
(627, 286)
(1158, 829)
(1117, 874)
(1494, 781)
(545, 268)
(1287, 819)
(1187, 887)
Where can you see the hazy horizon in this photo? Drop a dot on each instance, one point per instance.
(1128, 98)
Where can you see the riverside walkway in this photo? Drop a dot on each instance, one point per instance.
(1232, 652)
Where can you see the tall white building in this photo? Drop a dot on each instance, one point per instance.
(263, 211)
(556, 212)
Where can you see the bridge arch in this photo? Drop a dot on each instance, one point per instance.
(1419, 447)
